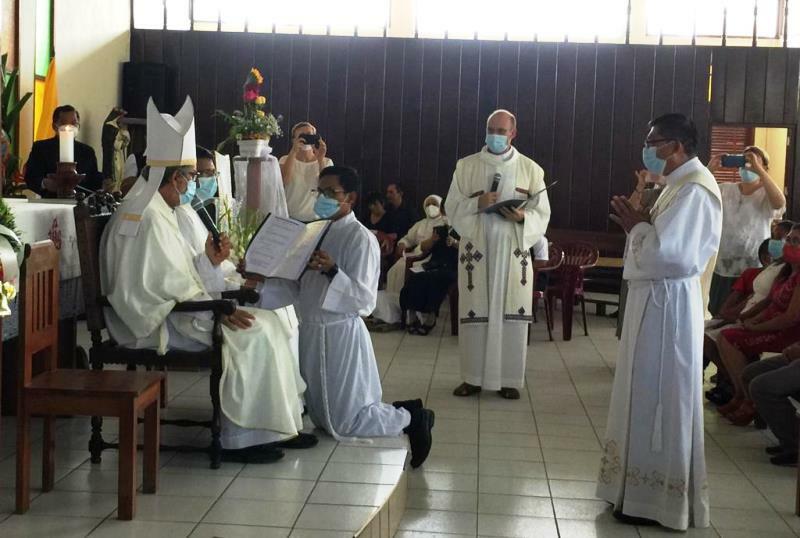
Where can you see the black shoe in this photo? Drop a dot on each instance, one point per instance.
(759, 423)
(774, 450)
(633, 520)
(509, 393)
(719, 396)
(786, 458)
(253, 454)
(408, 405)
(303, 440)
(419, 435)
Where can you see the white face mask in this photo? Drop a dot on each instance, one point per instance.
(307, 147)
(433, 211)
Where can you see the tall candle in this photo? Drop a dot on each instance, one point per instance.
(66, 145)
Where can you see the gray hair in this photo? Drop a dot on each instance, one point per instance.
(502, 111)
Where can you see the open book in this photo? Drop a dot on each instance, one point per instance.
(282, 247)
(516, 203)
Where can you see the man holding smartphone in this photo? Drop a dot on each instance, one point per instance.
(300, 169)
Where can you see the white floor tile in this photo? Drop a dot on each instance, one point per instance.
(206, 530)
(334, 517)
(260, 513)
(436, 521)
(114, 528)
(29, 526)
(351, 494)
(269, 489)
(516, 526)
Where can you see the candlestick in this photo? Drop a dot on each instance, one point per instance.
(66, 144)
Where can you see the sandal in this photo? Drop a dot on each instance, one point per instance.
(465, 389)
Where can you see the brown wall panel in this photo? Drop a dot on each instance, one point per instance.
(409, 108)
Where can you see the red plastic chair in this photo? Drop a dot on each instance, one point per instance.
(578, 257)
(555, 258)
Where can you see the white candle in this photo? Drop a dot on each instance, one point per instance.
(66, 145)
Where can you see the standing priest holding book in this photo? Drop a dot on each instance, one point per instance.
(495, 272)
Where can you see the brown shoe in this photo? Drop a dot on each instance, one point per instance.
(508, 393)
(730, 407)
(465, 389)
(744, 415)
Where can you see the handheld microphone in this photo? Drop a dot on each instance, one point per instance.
(199, 206)
(496, 182)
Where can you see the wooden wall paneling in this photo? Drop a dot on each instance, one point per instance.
(792, 74)
(354, 106)
(262, 59)
(643, 84)
(154, 47)
(599, 190)
(301, 79)
(372, 135)
(755, 87)
(230, 78)
(663, 81)
(701, 108)
(468, 97)
(137, 45)
(428, 181)
(205, 130)
(412, 115)
(545, 110)
(488, 86)
(526, 98)
(683, 80)
(336, 100)
(564, 134)
(318, 84)
(449, 113)
(718, 84)
(583, 138)
(188, 79)
(626, 150)
(735, 81)
(280, 71)
(508, 76)
(392, 111)
(775, 86)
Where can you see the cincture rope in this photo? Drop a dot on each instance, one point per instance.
(656, 440)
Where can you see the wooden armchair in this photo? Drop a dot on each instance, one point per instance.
(452, 295)
(90, 223)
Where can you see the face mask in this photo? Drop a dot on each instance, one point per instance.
(307, 147)
(791, 253)
(748, 176)
(326, 207)
(652, 162)
(207, 188)
(775, 248)
(188, 196)
(496, 143)
(433, 211)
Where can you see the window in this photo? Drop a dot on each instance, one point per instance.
(705, 17)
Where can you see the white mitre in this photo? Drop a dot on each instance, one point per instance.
(170, 142)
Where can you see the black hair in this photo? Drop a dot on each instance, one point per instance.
(679, 128)
(348, 177)
(763, 248)
(65, 109)
(785, 225)
(397, 185)
(787, 268)
(204, 153)
(376, 197)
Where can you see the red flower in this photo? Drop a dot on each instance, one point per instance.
(250, 95)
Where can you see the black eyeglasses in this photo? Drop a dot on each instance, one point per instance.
(330, 193)
(656, 141)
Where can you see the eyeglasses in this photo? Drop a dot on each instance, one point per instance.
(656, 141)
(208, 174)
(329, 193)
(191, 176)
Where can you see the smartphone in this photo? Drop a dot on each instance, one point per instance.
(733, 161)
(310, 139)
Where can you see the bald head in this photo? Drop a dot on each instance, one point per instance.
(502, 116)
(501, 129)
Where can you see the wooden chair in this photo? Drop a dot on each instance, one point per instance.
(75, 392)
(578, 257)
(555, 258)
(89, 225)
(452, 296)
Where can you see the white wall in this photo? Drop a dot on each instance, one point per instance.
(92, 39)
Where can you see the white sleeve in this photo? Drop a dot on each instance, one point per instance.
(461, 209)
(354, 289)
(537, 215)
(213, 277)
(541, 250)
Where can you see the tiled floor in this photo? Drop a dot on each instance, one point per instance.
(498, 468)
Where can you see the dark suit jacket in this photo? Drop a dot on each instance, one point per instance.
(400, 219)
(44, 158)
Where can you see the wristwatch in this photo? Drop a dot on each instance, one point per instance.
(330, 273)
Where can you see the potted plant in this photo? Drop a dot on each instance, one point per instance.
(252, 127)
(11, 107)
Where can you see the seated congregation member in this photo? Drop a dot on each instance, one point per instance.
(401, 215)
(768, 327)
(147, 266)
(749, 207)
(300, 169)
(44, 157)
(770, 383)
(377, 221)
(424, 291)
(419, 239)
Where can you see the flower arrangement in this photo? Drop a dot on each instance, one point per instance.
(252, 122)
(240, 223)
(7, 294)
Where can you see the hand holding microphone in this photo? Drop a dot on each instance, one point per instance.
(199, 206)
(490, 198)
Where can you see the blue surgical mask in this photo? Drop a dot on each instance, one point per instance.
(325, 207)
(496, 143)
(207, 188)
(747, 175)
(776, 248)
(652, 162)
(188, 196)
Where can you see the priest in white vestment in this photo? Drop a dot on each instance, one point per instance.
(147, 266)
(495, 273)
(653, 465)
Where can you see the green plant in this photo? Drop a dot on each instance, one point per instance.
(11, 106)
(8, 226)
(240, 223)
(251, 123)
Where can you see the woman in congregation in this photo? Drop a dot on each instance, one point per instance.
(768, 327)
(748, 208)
